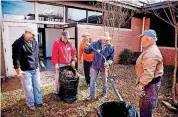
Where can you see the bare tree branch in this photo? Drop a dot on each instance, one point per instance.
(167, 16)
(172, 13)
(128, 19)
(175, 9)
(162, 19)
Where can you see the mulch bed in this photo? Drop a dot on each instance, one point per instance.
(13, 101)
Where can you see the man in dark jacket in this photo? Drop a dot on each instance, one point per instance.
(105, 49)
(25, 55)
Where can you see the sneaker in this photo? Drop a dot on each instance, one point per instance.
(55, 92)
(32, 108)
(105, 95)
(88, 85)
(90, 98)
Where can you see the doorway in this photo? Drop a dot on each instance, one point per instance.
(47, 34)
(11, 32)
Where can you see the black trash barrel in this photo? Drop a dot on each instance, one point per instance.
(68, 80)
(116, 109)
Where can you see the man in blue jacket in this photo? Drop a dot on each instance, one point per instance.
(103, 47)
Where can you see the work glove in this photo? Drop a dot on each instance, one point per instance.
(56, 67)
(139, 90)
(42, 66)
(106, 65)
(19, 73)
(73, 64)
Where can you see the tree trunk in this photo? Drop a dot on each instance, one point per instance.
(175, 70)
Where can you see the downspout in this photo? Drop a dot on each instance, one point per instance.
(36, 11)
(0, 17)
(64, 14)
(143, 28)
(36, 16)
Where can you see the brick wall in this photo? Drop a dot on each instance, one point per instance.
(168, 55)
(147, 23)
(129, 39)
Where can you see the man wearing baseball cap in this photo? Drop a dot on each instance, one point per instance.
(149, 70)
(63, 54)
(103, 47)
(25, 55)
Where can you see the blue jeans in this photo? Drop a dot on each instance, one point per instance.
(31, 87)
(94, 76)
(149, 101)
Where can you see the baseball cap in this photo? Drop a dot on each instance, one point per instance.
(65, 34)
(149, 33)
(85, 34)
(31, 30)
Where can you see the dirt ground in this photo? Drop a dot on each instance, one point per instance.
(13, 101)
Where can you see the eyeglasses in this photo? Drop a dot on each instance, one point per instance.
(32, 34)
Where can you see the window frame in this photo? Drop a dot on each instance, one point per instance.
(66, 14)
(87, 10)
(94, 23)
(61, 22)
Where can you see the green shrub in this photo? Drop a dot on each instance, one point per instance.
(125, 57)
(128, 57)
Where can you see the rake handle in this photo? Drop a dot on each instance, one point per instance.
(115, 90)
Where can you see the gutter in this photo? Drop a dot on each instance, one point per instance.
(143, 28)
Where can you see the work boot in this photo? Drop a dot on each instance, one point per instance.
(74, 102)
(40, 105)
(88, 85)
(105, 95)
(90, 98)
